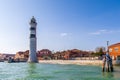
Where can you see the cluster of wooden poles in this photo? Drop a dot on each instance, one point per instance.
(107, 64)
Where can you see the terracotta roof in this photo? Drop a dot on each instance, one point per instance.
(116, 44)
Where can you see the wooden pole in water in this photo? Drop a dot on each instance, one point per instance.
(105, 66)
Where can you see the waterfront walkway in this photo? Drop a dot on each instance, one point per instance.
(77, 62)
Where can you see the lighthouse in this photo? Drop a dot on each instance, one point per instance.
(33, 41)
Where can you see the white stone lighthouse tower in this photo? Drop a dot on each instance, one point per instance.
(33, 43)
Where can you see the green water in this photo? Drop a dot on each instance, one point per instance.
(26, 71)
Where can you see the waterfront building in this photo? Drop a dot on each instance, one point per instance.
(33, 40)
(44, 54)
(21, 56)
(114, 50)
(5, 56)
(71, 54)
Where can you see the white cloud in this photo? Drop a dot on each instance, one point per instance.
(99, 32)
(64, 34)
(95, 33)
(103, 30)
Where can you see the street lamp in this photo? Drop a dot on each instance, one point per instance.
(108, 47)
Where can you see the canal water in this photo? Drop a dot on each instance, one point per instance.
(27, 71)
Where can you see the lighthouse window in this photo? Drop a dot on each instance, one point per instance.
(32, 28)
(32, 36)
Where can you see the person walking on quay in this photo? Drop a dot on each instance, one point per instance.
(109, 65)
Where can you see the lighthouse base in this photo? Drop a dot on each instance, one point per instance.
(31, 61)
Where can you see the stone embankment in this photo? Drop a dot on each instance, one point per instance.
(77, 62)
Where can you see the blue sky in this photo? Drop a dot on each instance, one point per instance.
(62, 24)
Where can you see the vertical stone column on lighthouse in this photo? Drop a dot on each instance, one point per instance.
(33, 43)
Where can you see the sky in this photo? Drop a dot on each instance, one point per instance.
(61, 24)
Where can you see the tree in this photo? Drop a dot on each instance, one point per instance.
(100, 48)
(100, 52)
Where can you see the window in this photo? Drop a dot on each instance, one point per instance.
(110, 50)
(116, 49)
(32, 36)
(32, 28)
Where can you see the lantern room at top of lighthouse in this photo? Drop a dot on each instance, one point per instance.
(33, 22)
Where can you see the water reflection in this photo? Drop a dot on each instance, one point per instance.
(32, 71)
(112, 75)
(31, 68)
(108, 74)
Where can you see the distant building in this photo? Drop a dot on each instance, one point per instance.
(44, 54)
(114, 50)
(76, 53)
(41, 54)
(22, 55)
(71, 54)
(4, 56)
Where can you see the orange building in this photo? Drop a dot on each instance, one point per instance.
(114, 50)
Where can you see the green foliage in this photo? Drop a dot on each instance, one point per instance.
(100, 53)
